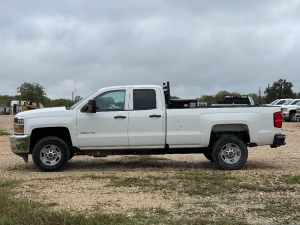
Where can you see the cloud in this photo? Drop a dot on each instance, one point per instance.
(201, 47)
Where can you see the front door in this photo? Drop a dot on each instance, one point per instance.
(108, 126)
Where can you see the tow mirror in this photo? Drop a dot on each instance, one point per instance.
(91, 106)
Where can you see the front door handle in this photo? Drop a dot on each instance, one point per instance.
(154, 116)
(120, 117)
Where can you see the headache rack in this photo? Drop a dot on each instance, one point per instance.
(177, 103)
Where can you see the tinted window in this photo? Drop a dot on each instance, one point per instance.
(144, 99)
(280, 102)
(111, 101)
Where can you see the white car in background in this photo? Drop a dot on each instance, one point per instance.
(280, 102)
(289, 110)
(297, 115)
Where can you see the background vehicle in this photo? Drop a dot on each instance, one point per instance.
(297, 115)
(235, 100)
(280, 102)
(17, 106)
(289, 110)
(142, 119)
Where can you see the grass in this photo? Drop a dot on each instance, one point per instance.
(23, 211)
(2, 132)
(215, 188)
(212, 193)
(291, 179)
(202, 183)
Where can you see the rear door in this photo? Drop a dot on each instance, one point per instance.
(146, 126)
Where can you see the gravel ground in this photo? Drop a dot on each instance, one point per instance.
(74, 188)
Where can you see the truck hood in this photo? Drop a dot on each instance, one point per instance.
(41, 112)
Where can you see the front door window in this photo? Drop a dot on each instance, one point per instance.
(111, 101)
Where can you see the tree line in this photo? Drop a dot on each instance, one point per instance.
(278, 90)
(36, 92)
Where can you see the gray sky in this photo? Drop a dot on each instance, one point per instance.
(201, 47)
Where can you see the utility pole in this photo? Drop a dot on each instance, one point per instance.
(75, 89)
(268, 93)
(259, 96)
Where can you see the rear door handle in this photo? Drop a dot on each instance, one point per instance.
(154, 116)
(120, 117)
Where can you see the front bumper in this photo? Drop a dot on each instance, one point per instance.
(20, 144)
(279, 139)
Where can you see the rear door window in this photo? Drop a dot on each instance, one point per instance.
(144, 99)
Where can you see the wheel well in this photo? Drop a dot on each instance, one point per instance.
(39, 133)
(240, 131)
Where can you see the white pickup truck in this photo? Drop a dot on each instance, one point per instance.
(127, 120)
(289, 110)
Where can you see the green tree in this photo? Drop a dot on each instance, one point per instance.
(47, 102)
(279, 89)
(209, 99)
(5, 99)
(61, 102)
(220, 95)
(32, 91)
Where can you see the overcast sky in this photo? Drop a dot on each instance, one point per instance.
(201, 47)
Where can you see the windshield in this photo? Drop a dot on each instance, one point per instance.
(79, 102)
(288, 102)
(275, 101)
(295, 102)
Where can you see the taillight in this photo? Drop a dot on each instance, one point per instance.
(278, 119)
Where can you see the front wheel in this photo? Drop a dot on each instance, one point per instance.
(230, 153)
(50, 154)
(293, 117)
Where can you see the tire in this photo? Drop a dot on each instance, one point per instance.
(293, 117)
(208, 155)
(50, 154)
(230, 153)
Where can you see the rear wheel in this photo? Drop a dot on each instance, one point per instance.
(230, 153)
(50, 154)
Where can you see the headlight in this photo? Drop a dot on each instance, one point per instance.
(18, 126)
(284, 109)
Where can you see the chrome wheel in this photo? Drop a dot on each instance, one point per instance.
(50, 155)
(293, 118)
(230, 153)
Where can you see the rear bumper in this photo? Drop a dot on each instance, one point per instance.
(279, 139)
